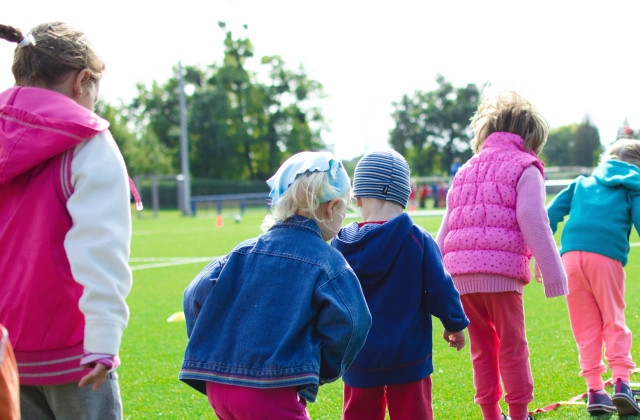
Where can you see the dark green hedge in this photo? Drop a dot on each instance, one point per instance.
(168, 189)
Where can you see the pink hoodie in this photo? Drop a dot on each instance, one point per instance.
(39, 129)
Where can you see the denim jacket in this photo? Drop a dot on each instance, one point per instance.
(283, 309)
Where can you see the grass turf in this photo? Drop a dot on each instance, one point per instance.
(152, 348)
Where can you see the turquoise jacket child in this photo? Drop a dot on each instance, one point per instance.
(601, 208)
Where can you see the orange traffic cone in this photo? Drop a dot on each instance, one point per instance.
(219, 221)
(412, 208)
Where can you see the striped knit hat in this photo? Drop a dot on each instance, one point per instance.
(383, 174)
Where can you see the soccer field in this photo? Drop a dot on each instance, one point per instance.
(169, 251)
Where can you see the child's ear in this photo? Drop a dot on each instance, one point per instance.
(331, 207)
(80, 81)
(359, 201)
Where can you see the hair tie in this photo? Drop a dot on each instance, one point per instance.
(27, 40)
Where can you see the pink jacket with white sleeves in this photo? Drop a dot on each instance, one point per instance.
(39, 303)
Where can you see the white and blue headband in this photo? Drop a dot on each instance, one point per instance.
(304, 162)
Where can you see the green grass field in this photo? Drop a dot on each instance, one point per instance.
(152, 348)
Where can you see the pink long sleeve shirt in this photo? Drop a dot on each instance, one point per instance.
(533, 223)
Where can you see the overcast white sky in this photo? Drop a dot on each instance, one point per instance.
(568, 57)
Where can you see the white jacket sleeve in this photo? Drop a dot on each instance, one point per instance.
(98, 243)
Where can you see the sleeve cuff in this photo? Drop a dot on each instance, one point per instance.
(107, 360)
(458, 326)
(554, 290)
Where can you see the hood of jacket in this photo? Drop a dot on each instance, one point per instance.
(37, 124)
(370, 249)
(615, 173)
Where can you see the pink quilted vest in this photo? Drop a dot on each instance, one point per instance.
(484, 236)
(39, 130)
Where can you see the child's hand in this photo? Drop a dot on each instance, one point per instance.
(455, 339)
(537, 274)
(96, 376)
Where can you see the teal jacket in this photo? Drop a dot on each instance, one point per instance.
(601, 208)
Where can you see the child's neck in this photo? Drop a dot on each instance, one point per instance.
(380, 211)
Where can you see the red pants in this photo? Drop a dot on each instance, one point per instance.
(596, 311)
(408, 401)
(499, 350)
(242, 403)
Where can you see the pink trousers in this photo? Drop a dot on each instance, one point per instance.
(242, 403)
(499, 350)
(596, 311)
(408, 401)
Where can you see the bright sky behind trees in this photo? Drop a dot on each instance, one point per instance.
(570, 58)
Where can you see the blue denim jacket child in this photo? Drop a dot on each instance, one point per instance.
(283, 309)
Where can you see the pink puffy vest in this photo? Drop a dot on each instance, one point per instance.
(39, 130)
(483, 233)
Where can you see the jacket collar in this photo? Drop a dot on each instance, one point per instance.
(502, 139)
(299, 222)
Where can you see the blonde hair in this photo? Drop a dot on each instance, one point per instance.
(625, 150)
(58, 50)
(509, 112)
(303, 196)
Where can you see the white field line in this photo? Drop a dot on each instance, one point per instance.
(190, 230)
(173, 261)
(166, 262)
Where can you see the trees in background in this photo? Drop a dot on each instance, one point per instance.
(557, 150)
(245, 118)
(144, 153)
(241, 123)
(587, 147)
(432, 128)
(573, 145)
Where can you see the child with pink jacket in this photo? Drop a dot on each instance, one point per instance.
(65, 228)
(495, 221)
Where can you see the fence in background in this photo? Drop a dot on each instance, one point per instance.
(556, 179)
(241, 199)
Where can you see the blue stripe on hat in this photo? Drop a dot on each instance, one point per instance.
(384, 175)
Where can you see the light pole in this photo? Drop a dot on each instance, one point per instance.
(184, 147)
